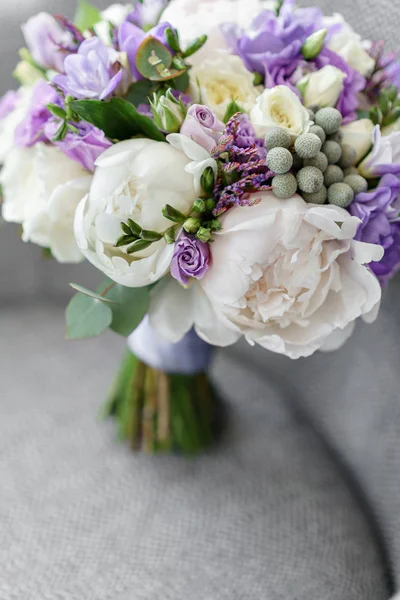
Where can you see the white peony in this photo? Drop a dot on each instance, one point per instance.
(200, 158)
(280, 107)
(217, 81)
(134, 179)
(359, 134)
(194, 18)
(42, 188)
(289, 276)
(348, 44)
(323, 87)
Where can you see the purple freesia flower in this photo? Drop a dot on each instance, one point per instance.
(384, 157)
(31, 130)
(92, 73)
(8, 103)
(378, 212)
(202, 126)
(273, 44)
(191, 259)
(147, 13)
(130, 37)
(48, 41)
(353, 84)
(83, 146)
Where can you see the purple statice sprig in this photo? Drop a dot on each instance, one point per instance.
(242, 172)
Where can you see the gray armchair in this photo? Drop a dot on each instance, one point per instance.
(301, 500)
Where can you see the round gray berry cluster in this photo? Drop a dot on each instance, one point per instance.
(318, 166)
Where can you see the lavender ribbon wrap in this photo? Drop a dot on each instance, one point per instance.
(190, 356)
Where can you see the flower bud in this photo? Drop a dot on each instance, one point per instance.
(208, 181)
(192, 225)
(199, 206)
(314, 44)
(168, 112)
(204, 235)
(26, 73)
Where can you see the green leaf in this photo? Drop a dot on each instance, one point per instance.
(87, 317)
(195, 46)
(117, 118)
(86, 292)
(129, 308)
(232, 109)
(152, 58)
(141, 91)
(181, 83)
(86, 15)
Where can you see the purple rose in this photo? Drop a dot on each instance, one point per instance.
(378, 212)
(47, 41)
(130, 37)
(202, 126)
(8, 103)
(147, 13)
(31, 130)
(84, 147)
(92, 73)
(191, 259)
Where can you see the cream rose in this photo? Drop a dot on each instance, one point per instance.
(348, 44)
(280, 107)
(194, 18)
(42, 188)
(323, 87)
(359, 134)
(218, 81)
(133, 180)
(289, 276)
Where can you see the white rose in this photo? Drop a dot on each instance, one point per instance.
(218, 81)
(323, 87)
(280, 107)
(194, 18)
(289, 276)
(348, 44)
(42, 188)
(133, 180)
(359, 134)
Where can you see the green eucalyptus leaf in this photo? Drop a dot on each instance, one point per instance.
(118, 119)
(87, 317)
(86, 15)
(152, 58)
(86, 292)
(129, 306)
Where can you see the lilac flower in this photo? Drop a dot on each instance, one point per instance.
(31, 130)
(84, 146)
(147, 13)
(384, 157)
(191, 259)
(202, 126)
(353, 84)
(273, 43)
(92, 73)
(48, 41)
(130, 37)
(8, 103)
(378, 212)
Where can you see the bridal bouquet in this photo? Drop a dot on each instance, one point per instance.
(231, 166)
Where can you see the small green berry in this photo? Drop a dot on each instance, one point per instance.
(329, 119)
(340, 194)
(351, 171)
(307, 145)
(279, 160)
(348, 157)
(298, 162)
(357, 183)
(333, 174)
(310, 180)
(320, 161)
(317, 130)
(284, 186)
(318, 197)
(277, 138)
(333, 152)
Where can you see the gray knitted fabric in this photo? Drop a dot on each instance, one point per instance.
(301, 501)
